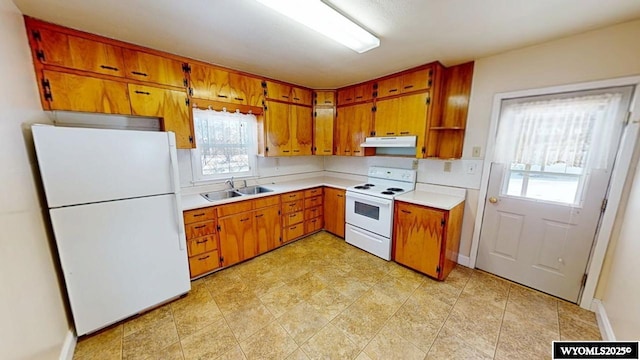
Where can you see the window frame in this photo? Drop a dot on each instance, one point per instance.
(252, 149)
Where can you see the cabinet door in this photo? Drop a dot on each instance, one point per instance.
(277, 91)
(237, 239)
(363, 92)
(268, 228)
(86, 94)
(246, 90)
(343, 132)
(277, 131)
(360, 127)
(387, 117)
(79, 53)
(323, 128)
(152, 68)
(301, 130)
(301, 96)
(334, 208)
(170, 105)
(327, 98)
(210, 83)
(345, 96)
(418, 235)
(413, 118)
(416, 80)
(389, 87)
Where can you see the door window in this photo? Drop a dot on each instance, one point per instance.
(551, 143)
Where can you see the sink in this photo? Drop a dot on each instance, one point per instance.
(252, 190)
(220, 195)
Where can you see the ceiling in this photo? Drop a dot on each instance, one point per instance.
(245, 35)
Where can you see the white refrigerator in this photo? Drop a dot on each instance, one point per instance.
(114, 203)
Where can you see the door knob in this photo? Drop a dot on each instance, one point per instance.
(493, 199)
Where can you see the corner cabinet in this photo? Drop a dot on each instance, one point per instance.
(324, 111)
(427, 239)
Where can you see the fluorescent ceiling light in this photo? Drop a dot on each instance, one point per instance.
(325, 20)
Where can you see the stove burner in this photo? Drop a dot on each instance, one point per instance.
(369, 185)
(394, 189)
(388, 192)
(361, 187)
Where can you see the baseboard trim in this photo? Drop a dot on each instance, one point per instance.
(463, 260)
(606, 331)
(69, 346)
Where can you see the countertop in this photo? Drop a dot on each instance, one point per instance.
(435, 196)
(195, 201)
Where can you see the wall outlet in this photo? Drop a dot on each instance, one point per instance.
(476, 151)
(414, 164)
(447, 166)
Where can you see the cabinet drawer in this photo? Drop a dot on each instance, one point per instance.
(202, 245)
(234, 208)
(293, 232)
(292, 218)
(312, 225)
(292, 206)
(192, 216)
(312, 192)
(312, 201)
(266, 201)
(312, 212)
(292, 196)
(202, 263)
(200, 229)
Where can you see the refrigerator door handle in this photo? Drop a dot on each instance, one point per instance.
(173, 156)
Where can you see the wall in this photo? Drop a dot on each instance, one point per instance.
(595, 55)
(34, 323)
(621, 295)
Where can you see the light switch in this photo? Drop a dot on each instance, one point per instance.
(476, 151)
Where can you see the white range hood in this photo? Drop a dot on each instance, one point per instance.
(390, 141)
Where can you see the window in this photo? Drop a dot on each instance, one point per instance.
(226, 144)
(550, 144)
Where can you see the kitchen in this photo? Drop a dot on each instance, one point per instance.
(586, 47)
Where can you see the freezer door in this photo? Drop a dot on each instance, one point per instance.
(81, 166)
(119, 258)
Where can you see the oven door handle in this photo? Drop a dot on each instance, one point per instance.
(370, 199)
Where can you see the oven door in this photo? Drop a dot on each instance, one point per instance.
(370, 212)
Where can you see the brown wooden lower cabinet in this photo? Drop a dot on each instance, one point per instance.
(427, 239)
(202, 242)
(237, 238)
(268, 231)
(334, 203)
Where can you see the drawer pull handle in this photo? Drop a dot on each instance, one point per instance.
(142, 92)
(292, 205)
(204, 258)
(348, 99)
(327, 101)
(261, 215)
(293, 215)
(243, 220)
(286, 151)
(296, 150)
(406, 211)
(326, 150)
(296, 99)
(390, 133)
(285, 96)
(139, 73)
(404, 132)
(356, 151)
(239, 99)
(292, 195)
(222, 96)
(201, 242)
(393, 90)
(198, 215)
(340, 195)
(408, 86)
(200, 226)
(109, 67)
(293, 227)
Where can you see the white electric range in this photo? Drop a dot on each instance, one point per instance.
(369, 208)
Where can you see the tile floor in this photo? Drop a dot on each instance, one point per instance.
(320, 298)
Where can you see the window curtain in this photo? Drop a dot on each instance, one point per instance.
(224, 141)
(579, 130)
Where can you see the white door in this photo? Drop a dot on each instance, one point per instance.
(544, 202)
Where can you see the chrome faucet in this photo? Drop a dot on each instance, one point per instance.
(231, 183)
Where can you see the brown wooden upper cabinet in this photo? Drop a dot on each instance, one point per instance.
(324, 98)
(355, 94)
(69, 92)
(169, 105)
(353, 125)
(288, 129)
(407, 82)
(323, 122)
(217, 84)
(73, 52)
(147, 67)
(287, 93)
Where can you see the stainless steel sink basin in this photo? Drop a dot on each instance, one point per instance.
(252, 190)
(220, 195)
